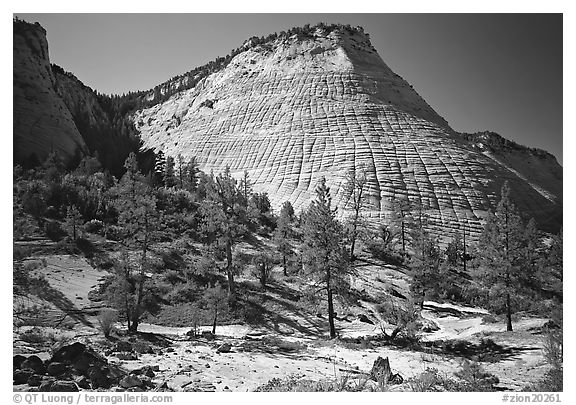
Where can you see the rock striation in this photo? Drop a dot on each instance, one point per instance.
(299, 108)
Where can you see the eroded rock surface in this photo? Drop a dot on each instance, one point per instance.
(42, 122)
(296, 109)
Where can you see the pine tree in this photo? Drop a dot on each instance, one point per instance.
(283, 233)
(225, 218)
(73, 221)
(169, 174)
(324, 252)
(502, 253)
(138, 217)
(424, 267)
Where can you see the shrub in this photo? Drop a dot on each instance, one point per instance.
(86, 247)
(475, 378)
(94, 226)
(37, 335)
(54, 230)
(106, 319)
(553, 353)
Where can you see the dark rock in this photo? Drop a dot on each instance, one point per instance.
(46, 384)
(68, 353)
(82, 382)
(224, 348)
(17, 361)
(135, 389)
(99, 377)
(148, 371)
(56, 368)
(123, 346)
(35, 380)
(169, 350)
(130, 381)
(365, 319)
(63, 386)
(22, 376)
(34, 363)
(206, 334)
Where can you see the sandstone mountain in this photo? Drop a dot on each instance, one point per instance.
(42, 122)
(291, 109)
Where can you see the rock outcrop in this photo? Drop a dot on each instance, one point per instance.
(299, 108)
(42, 122)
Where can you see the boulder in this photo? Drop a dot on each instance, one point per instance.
(63, 386)
(99, 377)
(148, 371)
(56, 368)
(130, 381)
(224, 348)
(123, 346)
(82, 382)
(34, 363)
(17, 361)
(46, 384)
(21, 376)
(35, 380)
(206, 334)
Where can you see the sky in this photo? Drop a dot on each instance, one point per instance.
(497, 72)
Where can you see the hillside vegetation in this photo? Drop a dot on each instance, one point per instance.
(180, 264)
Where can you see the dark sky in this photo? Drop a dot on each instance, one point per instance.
(499, 72)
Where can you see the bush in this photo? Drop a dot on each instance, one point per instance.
(94, 226)
(475, 378)
(387, 255)
(54, 231)
(86, 247)
(37, 335)
(106, 319)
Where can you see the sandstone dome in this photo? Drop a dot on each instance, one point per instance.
(297, 108)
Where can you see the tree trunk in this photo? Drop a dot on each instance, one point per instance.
(352, 244)
(508, 313)
(331, 314)
(215, 318)
(229, 272)
(284, 265)
(403, 239)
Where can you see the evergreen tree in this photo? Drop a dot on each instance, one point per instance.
(323, 249)
(283, 233)
(502, 255)
(169, 174)
(425, 267)
(138, 217)
(225, 218)
(73, 221)
(159, 167)
(191, 175)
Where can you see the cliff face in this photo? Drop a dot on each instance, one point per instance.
(290, 110)
(42, 122)
(298, 109)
